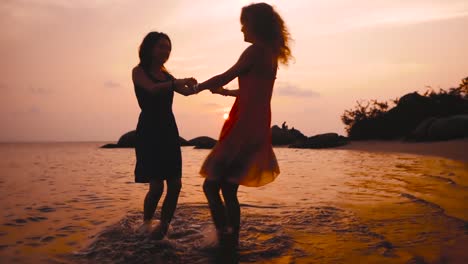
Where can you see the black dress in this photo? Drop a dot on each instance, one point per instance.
(157, 148)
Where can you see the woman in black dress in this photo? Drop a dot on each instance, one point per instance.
(158, 155)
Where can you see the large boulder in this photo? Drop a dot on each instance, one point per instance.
(285, 136)
(202, 142)
(448, 128)
(110, 145)
(328, 140)
(128, 140)
(442, 128)
(420, 133)
(184, 142)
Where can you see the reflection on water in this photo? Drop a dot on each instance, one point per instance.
(74, 202)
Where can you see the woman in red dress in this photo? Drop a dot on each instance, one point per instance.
(243, 154)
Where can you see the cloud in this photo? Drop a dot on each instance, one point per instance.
(26, 111)
(338, 16)
(286, 89)
(33, 110)
(407, 15)
(195, 58)
(39, 90)
(211, 105)
(64, 3)
(112, 85)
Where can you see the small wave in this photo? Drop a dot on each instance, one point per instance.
(441, 178)
(423, 202)
(265, 237)
(259, 206)
(191, 239)
(436, 209)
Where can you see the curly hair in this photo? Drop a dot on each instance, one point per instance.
(146, 49)
(267, 25)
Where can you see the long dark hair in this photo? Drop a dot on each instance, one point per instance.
(266, 24)
(146, 49)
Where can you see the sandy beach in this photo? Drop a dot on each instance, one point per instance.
(451, 149)
(368, 202)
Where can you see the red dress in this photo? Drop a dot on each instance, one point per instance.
(244, 154)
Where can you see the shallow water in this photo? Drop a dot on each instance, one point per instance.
(76, 203)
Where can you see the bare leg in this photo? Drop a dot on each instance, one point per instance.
(218, 211)
(229, 191)
(170, 202)
(156, 188)
(168, 208)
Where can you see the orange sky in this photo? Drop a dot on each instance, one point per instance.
(65, 65)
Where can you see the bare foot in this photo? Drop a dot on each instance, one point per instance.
(228, 239)
(159, 232)
(144, 228)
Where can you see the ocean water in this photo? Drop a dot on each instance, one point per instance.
(77, 203)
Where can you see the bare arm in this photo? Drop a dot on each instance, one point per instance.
(242, 65)
(140, 78)
(185, 88)
(225, 92)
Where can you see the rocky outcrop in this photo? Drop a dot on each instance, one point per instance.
(411, 115)
(202, 142)
(328, 140)
(183, 142)
(128, 140)
(443, 128)
(110, 145)
(285, 136)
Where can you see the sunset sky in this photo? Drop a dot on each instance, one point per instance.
(66, 65)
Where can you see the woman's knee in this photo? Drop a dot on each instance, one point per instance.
(210, 187)
(230, 191)
(174, 185)
(156, 187)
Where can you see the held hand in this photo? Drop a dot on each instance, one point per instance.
(186, 82)
(218, 90)
(192, 85)
(190, 81)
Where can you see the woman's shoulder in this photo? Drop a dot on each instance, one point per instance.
(251, 53)
(137, 70)
(258, 51)
(253, 49)
(169, 75)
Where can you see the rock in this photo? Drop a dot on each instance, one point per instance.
(184, 142)
(202, 142)
(327, 140)
(442, 128)
(448, 128)
(285, 136)
(128, 140)
(420, 133)
(110, 145)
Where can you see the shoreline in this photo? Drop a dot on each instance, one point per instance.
(451, 149)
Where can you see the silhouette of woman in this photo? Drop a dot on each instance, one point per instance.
(243, 154)
(158, 155)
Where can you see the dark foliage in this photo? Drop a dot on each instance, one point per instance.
(375, 120)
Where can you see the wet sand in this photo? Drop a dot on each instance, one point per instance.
(452, 149)
(76, 203)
